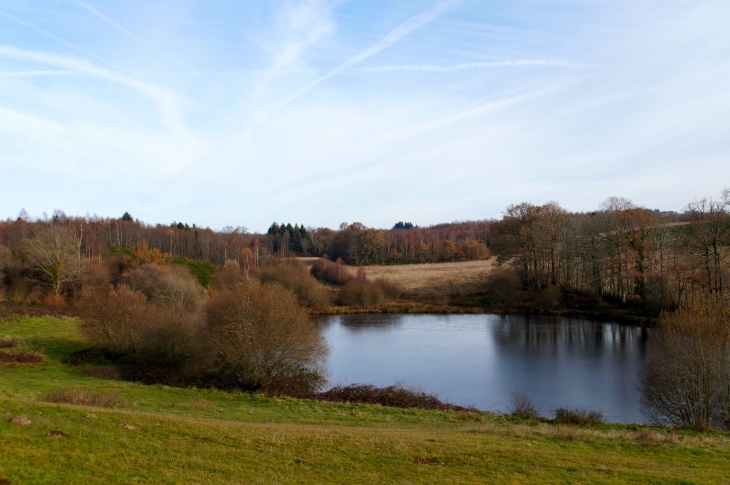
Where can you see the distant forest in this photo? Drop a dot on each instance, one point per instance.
(620, 251)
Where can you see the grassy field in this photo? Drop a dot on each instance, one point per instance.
(207, 436)
(432, 279)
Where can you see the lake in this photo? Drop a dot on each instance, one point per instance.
(479, 359)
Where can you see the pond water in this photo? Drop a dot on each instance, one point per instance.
(479, 359)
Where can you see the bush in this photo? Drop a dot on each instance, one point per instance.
(522, 405)
(257, 334)
(335, 273)
(578, 416)
(397, 396)
(687, 380)
(115, 317)
(166, 286)
(228, 277)
(293, 276)
(366, 293)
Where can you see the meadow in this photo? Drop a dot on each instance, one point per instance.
(159, 434)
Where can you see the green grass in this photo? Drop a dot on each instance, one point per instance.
(207, 436)
(202, 270)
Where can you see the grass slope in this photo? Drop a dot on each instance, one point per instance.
(207, 436)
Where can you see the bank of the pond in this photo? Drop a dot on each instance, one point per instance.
(208, 436)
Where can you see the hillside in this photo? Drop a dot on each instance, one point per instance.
(208, 436)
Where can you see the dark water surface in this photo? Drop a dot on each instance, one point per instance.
(479, 359)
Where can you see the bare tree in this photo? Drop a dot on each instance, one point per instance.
(54, 255)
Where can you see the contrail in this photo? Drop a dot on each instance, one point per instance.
(142, 41)
(474, 65)
(34, 73)
(401, 31)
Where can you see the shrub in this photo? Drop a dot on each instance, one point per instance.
(256, 333)
(687, 380)
(578, 416)
(398, 396)
(115, 317)
(361, 292)
(82, 398)
(335, 273)
(166, 286)
(228, 277)
(293, 276)
(522, 405)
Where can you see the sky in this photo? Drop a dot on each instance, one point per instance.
(241, 113)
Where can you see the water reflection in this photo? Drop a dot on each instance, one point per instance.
(478, 359)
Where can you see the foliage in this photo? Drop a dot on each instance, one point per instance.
(202, 270)
(143, 254)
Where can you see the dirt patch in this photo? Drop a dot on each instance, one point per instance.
(17, 357)
(56, 433)
(126, 426)
(21, 420)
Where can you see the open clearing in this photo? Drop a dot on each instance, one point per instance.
(158, 434)
(433, 279)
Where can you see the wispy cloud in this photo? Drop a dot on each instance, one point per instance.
(34, 73)
(167, 102)
(475, 65)
(406, 28)
(149, 45)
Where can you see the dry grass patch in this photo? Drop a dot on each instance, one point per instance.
(9, 356)
(437, 278)
(78, 397)
(9, 342)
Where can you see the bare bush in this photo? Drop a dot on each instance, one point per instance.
(82, 398)
(166, 286)
(115, 317)
(362, 292)
(228, 277)
(687, 380)
(578, 416)
(522, 405)
(335, 273)
(293, 276)
(256, 333)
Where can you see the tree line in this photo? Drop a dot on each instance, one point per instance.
(622, 251)
(354, 243)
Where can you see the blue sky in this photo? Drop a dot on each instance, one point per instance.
(319, 112)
